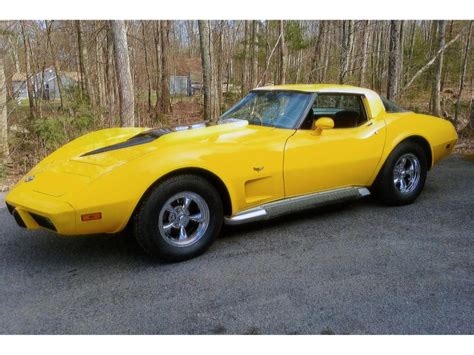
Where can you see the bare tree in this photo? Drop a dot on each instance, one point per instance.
(431, 61)
(463, 73)
(346, 49)
(209, 72)
(4, 151)
(55, 62)
(316, 50)
(283, 54)
(206, 65)
(165, 101)
(86, 83)
(29, 85)
(148, 80)
(436, 93)
(365, 54)
(159, 64)
(124, 77)
(244, 80)
(254, 54)
(393, 60)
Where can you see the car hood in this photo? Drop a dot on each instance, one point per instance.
(92, 155)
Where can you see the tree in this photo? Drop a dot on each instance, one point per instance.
(436, 93)
(124, 77)
(159, 65)
(430, 62)
(393, 60)
(244, 80)
(55, 61)
(84, 67)
(463, 73)
(148, 80)
(365, 54)
(206, 65)
(29, 85)
(254, 54)
(346, 49)
(283, 54)
(211, 101)
(165, 101)
(4, 151)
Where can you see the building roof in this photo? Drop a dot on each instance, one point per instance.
(188, 66)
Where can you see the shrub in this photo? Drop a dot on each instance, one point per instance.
(55, 131)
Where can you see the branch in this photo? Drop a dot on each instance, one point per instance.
(431, 61)
(268, 60)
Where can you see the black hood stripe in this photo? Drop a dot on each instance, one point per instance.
(141, 138)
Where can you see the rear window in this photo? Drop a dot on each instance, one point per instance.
(391, 106)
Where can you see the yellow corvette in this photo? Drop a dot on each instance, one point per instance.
(280, 149)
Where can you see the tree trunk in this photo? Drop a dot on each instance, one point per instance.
(436, 94)
(148, 80)
(206, 66)
(346, 46)
(254, 58)
(393, 60)
(4, 151)
(55, 63)
(365, 48)
(165, 101)
(110, 75)
(100, 72)
(316, 52)
(26, 44)
(410, 51)
(159, 65)
(283, 54)
(244, 86)
(209, 72)
(85, 60)
(463, 73)
(124, 77)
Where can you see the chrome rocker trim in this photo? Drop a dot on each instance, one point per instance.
(294, 204)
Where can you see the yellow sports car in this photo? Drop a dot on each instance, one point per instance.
(280, 149)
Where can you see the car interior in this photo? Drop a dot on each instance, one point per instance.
(347, 111)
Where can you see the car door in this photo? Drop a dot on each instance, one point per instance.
(346, 155)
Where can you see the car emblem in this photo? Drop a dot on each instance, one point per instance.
(30, 178)
(258, 168)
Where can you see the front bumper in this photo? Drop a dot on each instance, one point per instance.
(34, 210)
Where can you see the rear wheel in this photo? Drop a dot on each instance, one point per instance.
(403, 175)
(179, 219)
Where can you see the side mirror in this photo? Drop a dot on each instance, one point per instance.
(322, 123)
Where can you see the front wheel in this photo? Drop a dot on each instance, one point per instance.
(179, 219)
(403, 175)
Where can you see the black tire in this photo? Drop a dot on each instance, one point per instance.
(384, 188)
(146, 220)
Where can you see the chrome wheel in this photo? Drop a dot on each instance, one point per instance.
(406, 173)
(184, 219)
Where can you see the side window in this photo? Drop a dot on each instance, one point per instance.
(346, 110)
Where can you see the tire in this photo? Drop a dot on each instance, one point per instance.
(394, 185)
(162, 215)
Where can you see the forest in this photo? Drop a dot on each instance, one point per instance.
(60, 79)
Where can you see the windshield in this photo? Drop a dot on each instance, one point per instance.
(271, 108)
